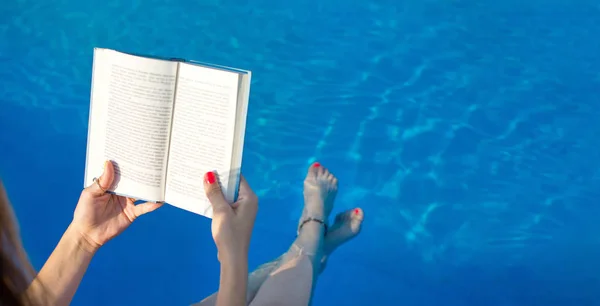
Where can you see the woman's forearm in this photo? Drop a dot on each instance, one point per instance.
(234, 283)
(61, 275)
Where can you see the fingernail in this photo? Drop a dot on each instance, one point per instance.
(356, 211)
(105, 163)
(316, 165)
(210, 178)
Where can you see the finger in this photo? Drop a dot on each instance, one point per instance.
(146, 207)
(248, 201)
(244, 188)
(105, 180)
(214, 192)
(247, 209)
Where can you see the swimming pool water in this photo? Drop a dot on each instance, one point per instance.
(466, 130)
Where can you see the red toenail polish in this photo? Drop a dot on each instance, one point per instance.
(356, 211)
(316, 165)
(210, 178)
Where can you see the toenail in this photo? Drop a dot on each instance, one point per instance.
(316, 165)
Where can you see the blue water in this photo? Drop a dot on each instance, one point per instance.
(466, 130)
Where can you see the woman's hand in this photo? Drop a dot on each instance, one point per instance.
(100, 216)
(232, 224)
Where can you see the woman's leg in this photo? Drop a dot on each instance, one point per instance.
(289, 285)
(346, 226)
(293, 281)
(255, 280)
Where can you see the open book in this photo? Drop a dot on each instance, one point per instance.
(164, 124)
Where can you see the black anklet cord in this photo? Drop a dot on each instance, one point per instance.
(315, 220)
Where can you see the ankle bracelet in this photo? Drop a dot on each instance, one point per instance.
(309, 219)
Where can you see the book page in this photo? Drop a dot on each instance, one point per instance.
(130, 121)
(201, 136)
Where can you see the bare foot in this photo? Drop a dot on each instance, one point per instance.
(347, 225)
(320, 189)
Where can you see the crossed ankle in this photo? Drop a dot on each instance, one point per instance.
(317, 223)
(298, 249)
(315, 212)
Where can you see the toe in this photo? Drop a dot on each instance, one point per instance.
(349, 215)
(313, 170)
(357, 214)
(322, 171)
(356, 220)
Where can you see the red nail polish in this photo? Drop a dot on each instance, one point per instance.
(210, 178)
(356, 211)
(316, 165)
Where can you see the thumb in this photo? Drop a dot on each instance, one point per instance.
(108, 176)
(105, 181)
(214, 192)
